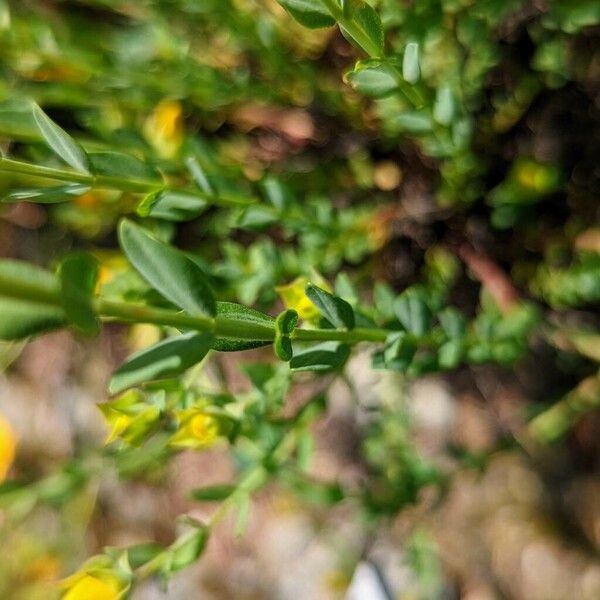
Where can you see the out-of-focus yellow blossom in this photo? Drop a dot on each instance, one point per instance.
(164, 128)
(96, 585)
(8, 445)
(111, 265)
(129, 418)
(536, 177)
(43, 568)
(197, 429)
(294, 296)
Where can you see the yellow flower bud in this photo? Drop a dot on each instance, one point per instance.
(294, 296)
(8, 445)
(197, 429)
(85, 586)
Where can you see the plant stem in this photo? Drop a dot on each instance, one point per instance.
(412, 94)
(122, 184)
(38, 292)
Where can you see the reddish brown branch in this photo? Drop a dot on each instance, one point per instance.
(492, 277)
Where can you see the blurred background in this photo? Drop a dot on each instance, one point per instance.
(483, 481)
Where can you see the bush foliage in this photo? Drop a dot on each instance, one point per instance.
(417, 178)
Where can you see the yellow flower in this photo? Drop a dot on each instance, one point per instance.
(8, 445)
(164, 128)
(294, 296)
(197, 429)
(129, 418)
(99, 586)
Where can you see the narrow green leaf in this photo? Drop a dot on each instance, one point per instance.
(78, 277)
(322, 357)
(17, 123)
(167, 270)
(276, 192)
(171, 205)
(337, 311)
(60, 141)
(117, 164)
(310, 13)
(199, 176)
(140, 554)
(47, 195)
(186, 549)
(169, 358)
(413, 312)
(370, 36)
(213, 493)
(257, 217)
(410, 63)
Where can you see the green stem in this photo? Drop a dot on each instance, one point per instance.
(122, 184)
(35, 291)
(412, 94)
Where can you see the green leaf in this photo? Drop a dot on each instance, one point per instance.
(140, 554)
(213, 493)
(171, 205)
(443, 109)
(413, 312)
(414, 122)
(313, 491)
(186, 549)
(19, 319)
(322, 357)
(17, 123)
(167, 270)
(117, 164)
(199, 176)
(399, 351)
(257, 217)
(374, 81)
(337, 311)
(169, 358)
(276, 192)
(451, 353)
(310, 13)
(410, 63)
(78, 277)
(286, 321)
(282, 346)
(231, 310)
(365, 29)
(284, 325)
(60, 141)
(383, 297)
(47, 195)
(453, 323)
